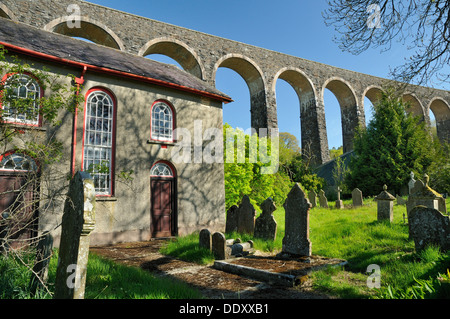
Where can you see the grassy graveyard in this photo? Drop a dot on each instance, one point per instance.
(356, 236)
(351, 234)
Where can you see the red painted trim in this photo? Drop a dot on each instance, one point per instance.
(38, 164)
(172, 168)
(115, 72)
(79, 81)
(41, 95)
(174, 123)
(113, 147)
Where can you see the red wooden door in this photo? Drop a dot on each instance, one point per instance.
(162, 205)
(18, 213)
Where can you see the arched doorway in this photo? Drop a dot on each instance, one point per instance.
(19, 200)
(163, 215)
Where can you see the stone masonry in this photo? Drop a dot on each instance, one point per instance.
(202, 54)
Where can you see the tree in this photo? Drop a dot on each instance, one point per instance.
(422, 24)
(394, 144)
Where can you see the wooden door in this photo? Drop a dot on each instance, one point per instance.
(162, 207)
(18, 213)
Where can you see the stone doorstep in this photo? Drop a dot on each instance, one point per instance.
(273, 278)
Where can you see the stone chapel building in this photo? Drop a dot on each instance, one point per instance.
(132, 109)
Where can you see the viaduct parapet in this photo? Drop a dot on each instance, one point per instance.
(202, 54)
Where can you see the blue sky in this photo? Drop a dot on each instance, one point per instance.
(294, 27)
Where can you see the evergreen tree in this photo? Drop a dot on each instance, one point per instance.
(394, 144)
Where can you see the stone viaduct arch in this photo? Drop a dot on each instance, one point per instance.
(89, 29)
(254, 77)
(176, 50)
(202, 54)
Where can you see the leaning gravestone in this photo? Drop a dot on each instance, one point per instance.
(357, 197)
(265, 224)
(296, 240)
(427, 226)
(246, 216)
(323, 199)
(78, 222)
(385, 205)
(312, 196)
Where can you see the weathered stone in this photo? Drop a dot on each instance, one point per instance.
(385, 205)
(78, 222)
(400, 200)
(312, 196)
(339, 203)
(427, 226)
(40, 268)
(265, 224)
(246, 216)
(323, 199)
(296, 240)
(205, 239)
(411, 182)
(442, 206)
(357, 198)
(219, 246)
(232, 220)
(241, 249)
(422, 194)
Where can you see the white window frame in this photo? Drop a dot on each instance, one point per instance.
(98, 149)
(29, 89)
(162, 122)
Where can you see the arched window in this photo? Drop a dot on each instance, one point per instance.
(98, 149)
(162, 122)
(17, 162)
(161, 170)
(22, 86)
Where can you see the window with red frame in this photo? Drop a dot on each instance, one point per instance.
(21, 86)
(99, 139)
(163, 119)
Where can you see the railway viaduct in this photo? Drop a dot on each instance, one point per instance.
(202, 54)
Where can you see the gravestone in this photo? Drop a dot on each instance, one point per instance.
(424, 195)
(246, 216)
(232, 220)
(428, 226)
(78, 222)
(385, 205)
(323, 202)
(339, 203)
(265, 224)
(296, 240)
(411, 182)
(442, 206)
(205, 239)
(400, 200)
(312, 196)
(219, 246)
(357, 197)
(40, 269)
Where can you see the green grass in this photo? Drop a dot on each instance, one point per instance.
(105, 280)
(356, 236)
(351, 234)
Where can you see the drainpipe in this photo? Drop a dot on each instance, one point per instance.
(78, 81)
